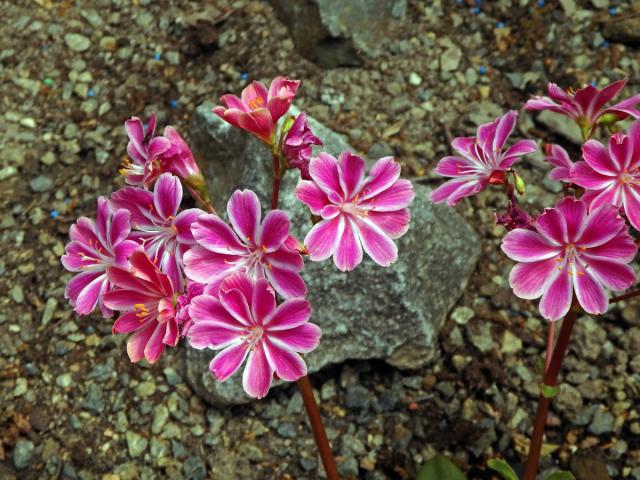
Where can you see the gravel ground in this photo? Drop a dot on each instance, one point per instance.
(72, 406)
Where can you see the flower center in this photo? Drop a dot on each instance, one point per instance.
(255, 103)
(129, 168)
(630, 177)
(570, 261)
(253, 336)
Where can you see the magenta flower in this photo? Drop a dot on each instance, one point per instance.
(183, 302)
(142, 148)
(482, 161)
(515, 217)
(571, 250)
(559, 158)
(93, 248)
(257, 249)
(147, 298)
(157, 225)
(176, 158)
(357, 212)
(612, 176)
(244, 321)
(258, 110)
(586, 106)
(297, 145)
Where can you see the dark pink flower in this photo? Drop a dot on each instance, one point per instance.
(157, 225)
(559, 158)
(612, 176)
(183, 302)
(176, 158)
(248, 246)
(142, 148)
(586, 106)
(147, 298)
(515, 218)
(571, 250)
(298, 143)
(243, 321)
(358, 212)
(258, 110)
(483, 160)
(93, 248)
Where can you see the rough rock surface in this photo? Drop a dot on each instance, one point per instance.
(330, 32)
(373, 312)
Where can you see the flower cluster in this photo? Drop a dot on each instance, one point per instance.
(580, 248)
(235, 284)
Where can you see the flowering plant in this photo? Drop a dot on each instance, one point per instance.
(232, 284)
(573, 254)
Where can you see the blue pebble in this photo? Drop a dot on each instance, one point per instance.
(500, 25)
(593, 83)
(475, 10)
(613, 11)
(67, 201)
(157, 56)
(605, 44)
(91, 93)
(53, 214)
(459, 2)
(478, 2)
(541, 3)
(482, 70)
(173, 103)
(244, 76)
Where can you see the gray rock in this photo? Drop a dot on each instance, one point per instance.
(136, 443)
(372, 312)
(23, 453)
(602, 422)
(450, 59)
(330, 32)
(561, 125)
(41, 184)
(77, 42)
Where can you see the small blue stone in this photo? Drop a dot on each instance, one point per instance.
(91, 93)
(173, 103)
(605, 44)
(500, 25)
(157, 56)
(541, 3)
(478, 2)
(244, 76)
(475, 10)
(613, 11)
(67, 201)
(594, 83)
(53, 214)
(482, 70)
(459, 2)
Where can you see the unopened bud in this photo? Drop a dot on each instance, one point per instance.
(608, 118)
(518, 183)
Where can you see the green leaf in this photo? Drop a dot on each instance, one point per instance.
(440, 468)
(503, 468)
(547, 391)
(560, 475)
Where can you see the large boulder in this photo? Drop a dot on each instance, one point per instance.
(331, 33)
(391, 313)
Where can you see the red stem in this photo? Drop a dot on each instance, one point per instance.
(313, 412)
(205, 204)
(319, 435)
(626, 296)
(551, 334)
(550, 379)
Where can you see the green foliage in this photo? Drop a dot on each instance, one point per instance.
(503, 468)
(440, 468)
(559, 475)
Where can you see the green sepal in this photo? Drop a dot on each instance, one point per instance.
(439, 468)
(503, 469)
(547, 391)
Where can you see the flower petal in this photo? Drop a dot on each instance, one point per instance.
(155, 346)
(167, 195)
(556, 300)
(126, 323)
(273, 231)
(611, 274)
(382, 175)
(257, 375)
(598, 158)
(376, 243)
(244, 213)
(351, 173)
(286, 282)
(227, 362)
(585, 176)
(552, 226)
(396, 197)
(238, 306)
(289, 314)
(311, 195)
(303, 338)
(528, 246)
(394, 224)
(528, 280)
(348, 251)
(603, 224)
(203, 266)
(263, 301)
(575, 216)
(287, 364)
(590, 293)
(137, 342)
(324, 171)
(322, 238)
(504, 129)
(216, 236)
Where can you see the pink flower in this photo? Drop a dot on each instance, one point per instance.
(157, 225)
(612, 176)
(297, 145)
(259, 110)
(571, 250)
(142, 148)
(357, 212)
(244, 321)
(515, 217)
(176, 159)
(248, 246)
(93, 248)
(483, 160)
(147, 298)
(559, 158)
(183, 302)
(586, 106)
